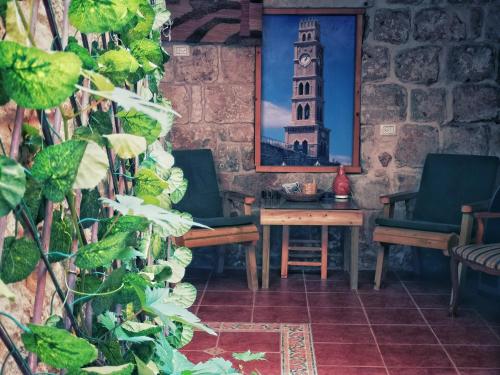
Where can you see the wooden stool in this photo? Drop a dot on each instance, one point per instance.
(285, 248)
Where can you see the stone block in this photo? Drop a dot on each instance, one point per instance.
(414, 143)
(383, 103)
(375, 63)
(494, 140)
(463, 138)
(475, 102)
(418, 65)
(492, 29)
(368, 188)
(384, 158)
(201, 66)
(405, 2)
(471, 63)
(391, 25)
(237, 133)
(238, 64)
(436, 24)
(196, 104)
(180, 98)
(247, 156)
(193, 137)
(476, 20)
(226, 103)
(428, 105)
(227, 157)
(407, 180)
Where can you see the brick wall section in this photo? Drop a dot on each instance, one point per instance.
(430, 67)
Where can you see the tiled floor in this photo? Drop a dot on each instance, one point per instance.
(404, 329)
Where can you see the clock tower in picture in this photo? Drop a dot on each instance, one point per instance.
(306, 133)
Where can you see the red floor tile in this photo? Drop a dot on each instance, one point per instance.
(403, 334)
(332, 275)
(201, 341)
(225, 298)
(253, 341)
(347, 355)
(263, 298)
(387, 288)
(225, 313)
(394, 316)
(432, 300)
(335, 370)
(280, 315)
(286, 285)
(472, 371)
(227, 284)
(327, 286)
(466, 335)
(333, 300)
(475, 356)
(337, 315)
(342, 334)
(421, 371)
(491, 316)
(386, 300)
(197, 356)
(421, 286)
(414, 356)
(442, 317)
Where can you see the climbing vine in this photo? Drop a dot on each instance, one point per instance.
(91, 184)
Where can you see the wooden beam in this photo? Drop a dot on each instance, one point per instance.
(312, 217)
(411, 237)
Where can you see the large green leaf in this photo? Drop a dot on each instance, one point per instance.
(162, 15)
(248, 356)
(33, 197)
(142, 25)
(4, 98)
(14, 27)
(148, 53)
(183, 256)
(104, 252)
(56, 168)
(83, 53)
(12, 184)
(148, 183)
(181, 335)
(127, 223)
(145, 368)
(89, 207)
(93, 167)
(125, 369)
(137, 123)
(19, 259)
(177, 185)
(58, 348)
(184, 294)
(60, 237)
(140, 329)
(127, 146)
(117, 65)
(100, 16)
(37, 79)
(100, 122)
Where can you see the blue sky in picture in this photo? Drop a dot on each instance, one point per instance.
(338, 36)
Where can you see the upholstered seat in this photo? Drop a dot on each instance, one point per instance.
(487, 255)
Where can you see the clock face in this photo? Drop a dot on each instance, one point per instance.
(305, 59)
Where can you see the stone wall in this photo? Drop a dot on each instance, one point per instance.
(431, 67)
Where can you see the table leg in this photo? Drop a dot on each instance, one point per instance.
(324, 252)
(265, 256)
(284, 251)
(354, 257)
(347, 249)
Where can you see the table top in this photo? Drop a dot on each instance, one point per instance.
(280, 203)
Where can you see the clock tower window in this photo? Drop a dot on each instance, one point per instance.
(296, 146)
(299, 112)
(304, 147)
(301, 88)
(306, 112)
(308, 36)
(303, 37)
(307, 88)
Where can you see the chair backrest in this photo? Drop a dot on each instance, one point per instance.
(492, 230)
(202, 198)
(449, 181)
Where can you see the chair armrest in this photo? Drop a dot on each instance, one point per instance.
(475, 206)
(480, 216)
(487, 215)
(247, 200)
(397, 197)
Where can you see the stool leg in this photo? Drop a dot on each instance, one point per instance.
(324, 252)
(251, 260)
(382, 252)
(284, 251)
(455, 285)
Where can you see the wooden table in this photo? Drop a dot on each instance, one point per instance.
(322, 213)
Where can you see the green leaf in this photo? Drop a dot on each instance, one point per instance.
(56, 168)
(180, 336)
(100, 122)
(93, 167)
(127, 223)
(139, 124)
(214, 366)
(104, 252)
(177, 185)
(14, 27)
(89, 207)
(160, 272)
(162, 160)
(117, 65)
(162, 15)
(248, 356)
(140, 329)
(125, 369)
(58, 348)
(99, 81)
(100, 16)
(19, 259)
(183, 256)
(12, 184)
(83, 53)
(33, 199)
(87, 134)
(148, 183)
(145, 369)
(37, 79)
(32, 139)
(60, 237)
(127, 146)
(184, 294)
(148, 53)
(4, 98)
(142, 25)
(5, 292)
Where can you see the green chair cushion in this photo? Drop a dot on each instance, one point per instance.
(486, 255)
(218, 222)
(202, 198)
(449, 181)
(428, 226)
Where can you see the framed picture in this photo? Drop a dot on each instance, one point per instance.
(308, 90)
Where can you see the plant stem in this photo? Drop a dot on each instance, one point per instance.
(18, 358)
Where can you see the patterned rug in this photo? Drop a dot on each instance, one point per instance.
(288, 347)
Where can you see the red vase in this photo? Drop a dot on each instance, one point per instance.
(341, 185)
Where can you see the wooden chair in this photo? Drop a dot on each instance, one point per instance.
(448, 181)
(205, 202)
(484, 255)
